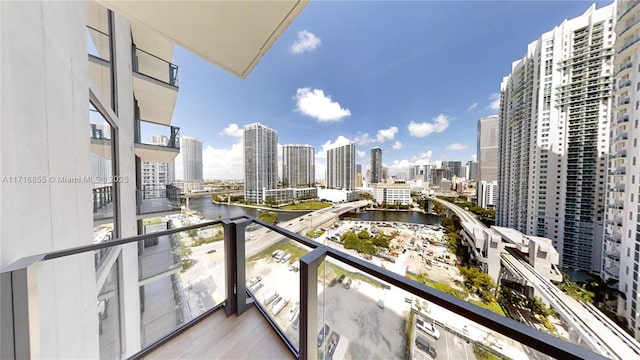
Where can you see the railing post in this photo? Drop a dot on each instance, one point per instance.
(309, 302)
(234, 249)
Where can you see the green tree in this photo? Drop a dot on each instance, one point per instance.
(185, 256)
(269, 216)
(363, 235)
(270, 200)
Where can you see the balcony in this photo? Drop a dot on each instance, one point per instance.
(164, 199)
(168, 290)
(155, 86)
(612, 271)
(620, 187)
(624, 101)
(161, 147)
(620, 137)
(617, 205)
(622, 119)
(619, 155)
(624, 84)
(620, 170)
(614, 255)
(617, 221)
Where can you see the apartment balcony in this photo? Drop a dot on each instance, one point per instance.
(619, 155)
(621, 119)
(613, 255)
(617, 205)
(159, 143)
(102, 195)
(155, 86)
(624, 84)
(231, 295)
(620, 187)
(627, 46)
(617, 221)
(612, 271)
(628, 27)
(620, 170)
(624, 101)
(158, 200)
(623, 12)
(613, 237)
(622, 137)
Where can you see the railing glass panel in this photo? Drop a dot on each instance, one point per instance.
(154, 67)
(272, 274)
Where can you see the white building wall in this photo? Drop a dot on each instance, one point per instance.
(44, 131)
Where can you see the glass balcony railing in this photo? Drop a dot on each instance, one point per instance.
(152, 199)
(156, 134)
(154, 67)
(98, 44)
(323, 302)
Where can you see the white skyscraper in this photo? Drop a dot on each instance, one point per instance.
(260, 161)
(341, 167)
(298, 165)
(188, 164)
(554, 133)
(621, 249)
(487, 160)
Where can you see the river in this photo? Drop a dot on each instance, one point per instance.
(215, 211)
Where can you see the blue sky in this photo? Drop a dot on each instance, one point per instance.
(412, 78)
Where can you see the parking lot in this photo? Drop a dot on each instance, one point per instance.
(448, 346)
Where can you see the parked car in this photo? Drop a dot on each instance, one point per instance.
(255, 280)
(269, 298)
(257, 287)
(347, 284)
(423, 344)
(324, 332)
(341, 278)
(276, 253)
(295, 267)
(286, 258)
(294, 310)
(279, 305)
(296, 322)
(428, 328)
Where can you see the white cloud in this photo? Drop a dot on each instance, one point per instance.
(387, 134)
(397, 145)
(363, 139)
(361, 154)
(495, 101)
(456, 147)
(223, 163)
(315, 104)
(439, 124)
(306, 42)
(472, 106)
(232, 130)
(423, 158)
(474, 157)
(403, 164)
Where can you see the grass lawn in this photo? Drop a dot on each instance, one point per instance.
(493, 306)
(308, 205)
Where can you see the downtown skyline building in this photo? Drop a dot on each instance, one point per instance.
(188, 165)
(341, 167)
(553, 137)
(260, 161)
(155, 175)
(622, 226)
(298, 166)
(376, 165)
(487, 152)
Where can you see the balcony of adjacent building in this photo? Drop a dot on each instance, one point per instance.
(618, 171)
(158, 200)
(612, 271)
(613, 255)
(155, 142)
(621, 119)
(99, 55)
(241, 288)
(615, 221)
(625, 9)
(155, 85)
(613, 236)
(616, 204)
(618, 187)
(620, 138)
(618, 154)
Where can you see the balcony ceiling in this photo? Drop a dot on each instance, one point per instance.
(155, 99)
(155, 153)
(231, 34)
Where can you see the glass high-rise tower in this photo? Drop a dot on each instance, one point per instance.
(260, 161)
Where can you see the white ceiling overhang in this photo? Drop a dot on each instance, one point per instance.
(231, 34)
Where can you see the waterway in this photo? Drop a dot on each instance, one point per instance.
(215, 211)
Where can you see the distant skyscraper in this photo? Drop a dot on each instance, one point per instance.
(471, 170)
(188, 165)
(341, 167)
(554, 123)
(260, 161)
(298, 166)
(359, 169)
(488, 148)
(452, 168)
(385, 174)
(376, 165)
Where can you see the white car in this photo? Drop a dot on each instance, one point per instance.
(294, 310)
(279, 305)
(269, 298)
(428, 328)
